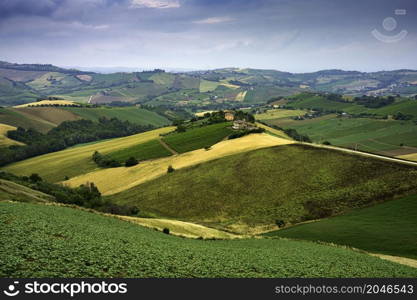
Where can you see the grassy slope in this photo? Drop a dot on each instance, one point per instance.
(258, 187)
(52, 115)
(388, 228)
(280, 113)
(53, 241)
(197, 138)
(4, 140)
(114, 180)
(131, 114)
(148, 150)
(77, 160)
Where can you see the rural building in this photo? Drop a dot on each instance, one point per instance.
(229, 116)
(243, 125)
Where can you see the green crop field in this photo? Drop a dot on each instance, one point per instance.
(148, 150)
(77, 160)
(197, 138)
(53, 241)
(280, 113)
(388, 228)
(371, 135)
(131, 114)
(311, 101)
(292, 183)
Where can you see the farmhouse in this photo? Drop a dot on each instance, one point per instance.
(229, 115)
(243, 125)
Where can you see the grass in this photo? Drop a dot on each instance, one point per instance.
(371, 135)
(292, 183)
(208, 86)
(148, 150)
(131, 114)
(280, 113)
(197, 138)
(388, 228)
(53, 241)
(412, 156)
(4, 140)
(111, 181)
(17, 118)
(77, 160)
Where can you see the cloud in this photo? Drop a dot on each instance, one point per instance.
(155, 3)
(214, 20)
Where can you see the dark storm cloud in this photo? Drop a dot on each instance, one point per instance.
(294, 35)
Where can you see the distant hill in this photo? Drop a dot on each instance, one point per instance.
(211, 89)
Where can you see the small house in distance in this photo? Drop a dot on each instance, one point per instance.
(243, 125)
(229, 116)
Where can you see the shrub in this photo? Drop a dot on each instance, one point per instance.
(280, 223)
(170, 169)
(166, 230)
(326, 143)
(35, 178)
(131, 161)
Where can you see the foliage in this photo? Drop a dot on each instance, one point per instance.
(104, 161)
(131, 161)
(51, 241)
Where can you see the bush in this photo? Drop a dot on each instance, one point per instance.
(170, 169)
(104, 161)
(207, 148)
(280, 223)
(166, 230)
(35, 178)
(326, 143)
(131, 161)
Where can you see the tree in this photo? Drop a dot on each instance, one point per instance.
(131, 161)
(35, 177)
(166, 230)
(170, 169)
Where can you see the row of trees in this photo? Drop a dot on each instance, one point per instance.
(67, 134)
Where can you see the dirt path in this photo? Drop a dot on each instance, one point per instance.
(397, 259)
(165, 145)
(397, 160)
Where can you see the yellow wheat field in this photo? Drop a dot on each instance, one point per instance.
(412, 156)
(241, 96)
(47, 102)
(77, 160)
(115, 180)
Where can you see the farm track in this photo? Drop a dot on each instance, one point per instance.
(166, 146)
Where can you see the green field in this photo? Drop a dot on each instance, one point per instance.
(52, 241)
(292, 183)
(131, 114)
(197, 138)
(280, 113)
(148, 150)
(77, 160)
(14, 117)
(372, 135)
(388, 228)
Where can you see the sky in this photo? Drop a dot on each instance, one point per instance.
(286, 35)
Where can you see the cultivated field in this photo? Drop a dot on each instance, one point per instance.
(48, 102)
(4, 140)
(280, 113)
(240, 193)
(64, 242)
(111, 181)
(77, 160)
(366, 229)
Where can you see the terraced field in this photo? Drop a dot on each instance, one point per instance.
(388, 228)
(249, 191)
(77, 160)
(111, 181)
(64, 242)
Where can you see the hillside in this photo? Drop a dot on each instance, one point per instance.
(64, 242)
(12, 191)
(111, 181)
(387, 228)
(4, 140)
(77, 160)
(254, 189)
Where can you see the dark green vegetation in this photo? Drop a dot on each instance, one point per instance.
(34, 189)
(199, 137)
(67, 134)
(388, 228)
(292, 183)
(53, 241)
(148, 150)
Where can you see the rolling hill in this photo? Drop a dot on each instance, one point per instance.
(250, 191)
(387, 228)
(54, 241)
(4, 140)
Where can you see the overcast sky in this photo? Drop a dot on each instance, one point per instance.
(287, 35)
